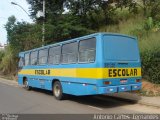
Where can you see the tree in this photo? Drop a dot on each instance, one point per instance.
(9, 27)
(59, 25)
(1, 55)
(22, 35)
(154, 12)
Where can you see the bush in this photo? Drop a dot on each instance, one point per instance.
(150, 56)
(1, 55)
(8, 64)
(151, 65)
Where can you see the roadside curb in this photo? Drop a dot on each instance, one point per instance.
(135, 98)
(141, 102)
(3, 80)
(148, 104)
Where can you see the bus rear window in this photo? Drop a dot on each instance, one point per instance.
(120, 48)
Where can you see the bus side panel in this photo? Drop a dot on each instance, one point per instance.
(20, 79)
(34, 82)
(42, 82)
(79, 89)
(48, 84)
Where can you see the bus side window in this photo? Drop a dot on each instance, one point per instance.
(21, 63)
(87, 50)
(54, 55)
(42, 59)
(26, 59)
(70, 53)
(33, 57)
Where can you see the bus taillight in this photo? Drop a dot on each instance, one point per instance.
(138, 80)
(107, 82)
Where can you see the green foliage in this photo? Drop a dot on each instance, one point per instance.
(155, 8)
(151, 65)
(130, 26)
(132, 6)
(149, 23)
(91, 14)
(1, 55)
(23, 36)
(67, 28)
(9, 62)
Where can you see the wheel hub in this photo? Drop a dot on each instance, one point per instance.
(57, 90)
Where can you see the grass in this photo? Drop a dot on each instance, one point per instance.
(7, 77)
(125, 26)
(148, 40)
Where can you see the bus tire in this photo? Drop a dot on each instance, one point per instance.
(57, 90)
(26, 85)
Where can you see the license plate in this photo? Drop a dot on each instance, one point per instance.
(123, 81)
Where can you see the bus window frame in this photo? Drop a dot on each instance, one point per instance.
(28, 59)
(21, 59)
(37, 57)
(56, 54)
(47, 56)
(87, 62)
(76, 41)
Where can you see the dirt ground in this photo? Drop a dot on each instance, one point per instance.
(150, 89)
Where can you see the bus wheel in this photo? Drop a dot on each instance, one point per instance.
(57, 91)
(26, 86)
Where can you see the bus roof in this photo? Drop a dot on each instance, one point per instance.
(79, 38)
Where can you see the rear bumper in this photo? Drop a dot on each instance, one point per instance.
(121, 88)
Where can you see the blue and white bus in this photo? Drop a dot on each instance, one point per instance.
(99, 63)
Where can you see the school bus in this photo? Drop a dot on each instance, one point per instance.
(99, 63)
